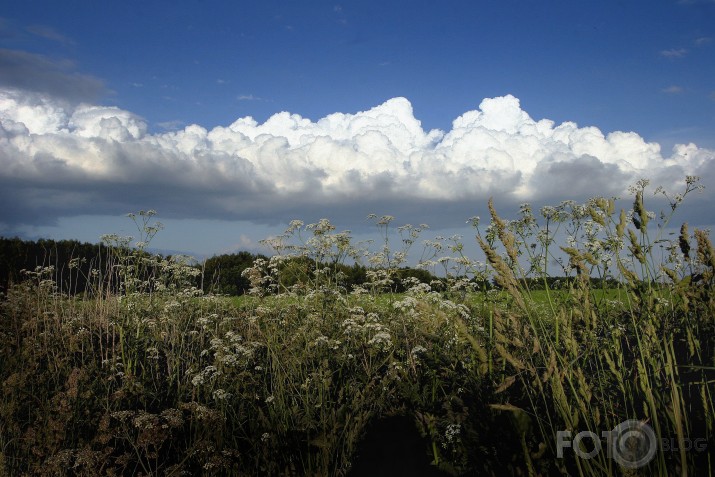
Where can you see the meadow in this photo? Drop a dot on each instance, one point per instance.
(146, 373)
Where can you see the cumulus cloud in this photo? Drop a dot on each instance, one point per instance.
(171, 125)
(61, 161)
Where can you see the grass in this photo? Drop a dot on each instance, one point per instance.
(148, 375)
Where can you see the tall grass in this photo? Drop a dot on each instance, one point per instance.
(146, 374)
(588, 364)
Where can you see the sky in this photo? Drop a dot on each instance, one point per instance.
(232, 118)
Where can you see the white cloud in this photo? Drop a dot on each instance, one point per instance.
(106, 122)
(674, 53)
(246, 243)
(172, 125)
(50, 33)
(58, 161)
(248, 97)
(673, 89)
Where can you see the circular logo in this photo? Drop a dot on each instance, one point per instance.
(633, 444)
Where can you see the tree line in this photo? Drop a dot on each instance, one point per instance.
(72, 265)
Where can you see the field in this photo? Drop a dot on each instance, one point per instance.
(146, 374)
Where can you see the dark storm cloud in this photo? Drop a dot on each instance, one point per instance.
(40, 74)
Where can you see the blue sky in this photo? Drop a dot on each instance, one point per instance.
(108, 107)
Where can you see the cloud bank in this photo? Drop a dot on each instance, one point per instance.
(60, 161)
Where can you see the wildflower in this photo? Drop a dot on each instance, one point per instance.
(350, 326)
(229, 360)
(381, 340)
(209, 372)
(221, 395)
(418, 350)
(320, 340)
(548, 212)
(145, 421)
(451, 434)
(420, 288)
(407, 304)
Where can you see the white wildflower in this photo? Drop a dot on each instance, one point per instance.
(221, 395)
(381, 340)
(418, 350)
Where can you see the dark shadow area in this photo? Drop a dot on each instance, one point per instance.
(393, 447)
